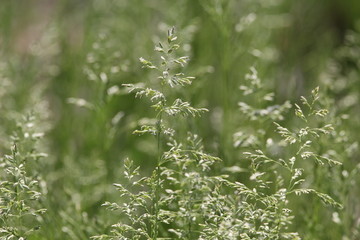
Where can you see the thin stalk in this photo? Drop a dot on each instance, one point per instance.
(16, 180)
(189, 208)
(157, 178)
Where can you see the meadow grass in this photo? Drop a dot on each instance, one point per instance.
(116, 125)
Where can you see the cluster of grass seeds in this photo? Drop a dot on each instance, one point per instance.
(144, 209)
(22, 183)
(257, 112)
(21, 206)
(182, 199)
(279, 178)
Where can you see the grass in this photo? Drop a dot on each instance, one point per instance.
(116, 125)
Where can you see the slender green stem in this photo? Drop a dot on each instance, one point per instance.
(157, 177)
(189, 208)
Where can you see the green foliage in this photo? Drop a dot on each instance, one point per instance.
(21, 206)
(144, 208)
(260, 162)
(181, 192)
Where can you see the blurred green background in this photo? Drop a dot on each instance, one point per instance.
(53, 53)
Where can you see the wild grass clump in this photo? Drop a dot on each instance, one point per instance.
(21, 186)
(183, 199)
(149, 202)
